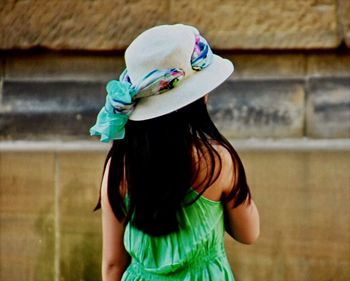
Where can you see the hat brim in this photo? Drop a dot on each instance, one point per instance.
(187, 91)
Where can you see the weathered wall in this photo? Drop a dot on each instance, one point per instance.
(269, 95)
(110, 25)
(49, 232)
(292, 80)
(297, 92)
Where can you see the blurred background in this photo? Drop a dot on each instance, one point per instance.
(286, 110)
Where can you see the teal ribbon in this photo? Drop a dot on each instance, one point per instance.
(122, 95)
(111, 120)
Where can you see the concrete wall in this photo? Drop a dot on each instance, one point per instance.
(291, 84)
(228, 24)
(57, 96)
(49, 232)
(292, 63)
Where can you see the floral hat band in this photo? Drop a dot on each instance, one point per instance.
(122, 96)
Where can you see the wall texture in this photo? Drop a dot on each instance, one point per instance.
(112, 24)
(291, 80)
(292, 63)
(288, 95)
(49, 232)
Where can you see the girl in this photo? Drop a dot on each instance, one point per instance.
(172, 183)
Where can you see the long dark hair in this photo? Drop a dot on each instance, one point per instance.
(156, 162)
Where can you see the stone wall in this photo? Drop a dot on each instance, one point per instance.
(228, 24)
(49, 232)
(288, 95)
(291, 80)
(292, 63)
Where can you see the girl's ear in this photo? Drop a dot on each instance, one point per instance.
(206, 98)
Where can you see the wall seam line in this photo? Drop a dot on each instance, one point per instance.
(57, 218)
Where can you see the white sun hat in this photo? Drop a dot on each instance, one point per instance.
(171, 46)
(167, 68)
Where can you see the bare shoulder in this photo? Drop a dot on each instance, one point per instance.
(223, 172)
(224, 153)
(226, 176)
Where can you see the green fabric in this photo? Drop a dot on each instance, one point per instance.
(195, 253)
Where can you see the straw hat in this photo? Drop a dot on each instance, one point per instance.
(171, 46)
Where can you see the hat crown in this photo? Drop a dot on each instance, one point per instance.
(161, 47)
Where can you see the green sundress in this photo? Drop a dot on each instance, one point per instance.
(195, 253)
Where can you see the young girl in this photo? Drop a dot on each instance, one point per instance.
(172, 183)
